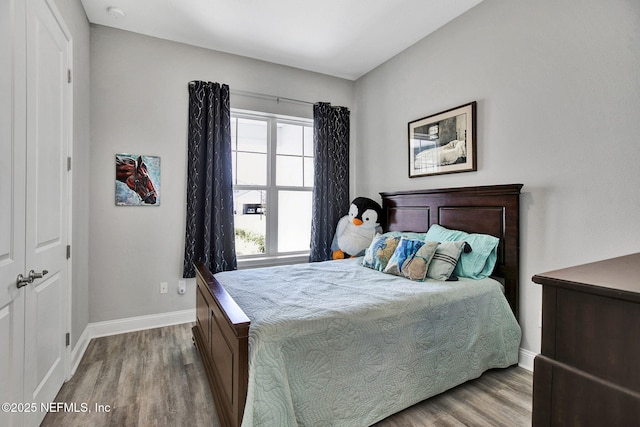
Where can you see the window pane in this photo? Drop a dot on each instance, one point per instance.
(250, 221)
(289, 139)
(251, 169)
(288, 149)
(294, 218)
(308, 141)
(308, 172)
(252, 135)
(289, 171)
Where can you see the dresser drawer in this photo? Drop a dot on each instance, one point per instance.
(587, 372)
(565, 396)
(596, 334)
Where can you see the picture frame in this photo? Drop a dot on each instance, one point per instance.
(137, 180)
(444, 142)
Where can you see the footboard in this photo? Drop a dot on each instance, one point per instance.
(221, 335)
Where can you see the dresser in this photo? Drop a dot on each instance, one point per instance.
(588, 373)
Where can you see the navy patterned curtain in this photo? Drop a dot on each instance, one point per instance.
(331, 176)
(209, 227)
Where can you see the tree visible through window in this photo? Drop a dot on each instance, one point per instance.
(272, 183)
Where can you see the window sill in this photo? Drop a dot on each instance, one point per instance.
(270, 261)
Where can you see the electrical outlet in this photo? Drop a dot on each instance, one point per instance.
(182, 287)
(164, 287)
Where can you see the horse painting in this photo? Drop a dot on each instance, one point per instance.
(134, 173)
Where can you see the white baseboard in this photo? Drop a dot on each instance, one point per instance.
(140, 323)
(78, 350)
(525, 359)
(122, 326)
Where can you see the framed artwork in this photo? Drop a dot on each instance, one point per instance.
(137, 180)
(444, 142)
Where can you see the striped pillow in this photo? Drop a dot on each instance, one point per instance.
(444, 260)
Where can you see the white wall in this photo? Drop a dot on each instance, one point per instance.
(558, 92)
(77, 23)
(139, 104)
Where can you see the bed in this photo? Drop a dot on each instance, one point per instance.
(359, 353)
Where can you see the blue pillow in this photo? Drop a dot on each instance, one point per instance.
(405, 250)
(478, 263)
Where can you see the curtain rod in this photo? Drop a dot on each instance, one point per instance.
(269, 97)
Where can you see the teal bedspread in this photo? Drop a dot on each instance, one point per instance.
(338, 344)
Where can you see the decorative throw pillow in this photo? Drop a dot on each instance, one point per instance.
(416, 267)
(444, 260)
(476, 264)
(380, 251)
(405, 250)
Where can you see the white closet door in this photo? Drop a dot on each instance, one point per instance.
(35, 123)
(47, 192)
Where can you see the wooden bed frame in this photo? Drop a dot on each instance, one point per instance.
(221, 332)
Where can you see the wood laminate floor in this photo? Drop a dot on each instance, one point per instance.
(156, 378)
(500, 397)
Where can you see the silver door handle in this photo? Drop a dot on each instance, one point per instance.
(22, 281)
(33, 275)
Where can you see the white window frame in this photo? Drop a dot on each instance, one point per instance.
(272, 256)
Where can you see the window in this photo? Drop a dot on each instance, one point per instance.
(272, 184)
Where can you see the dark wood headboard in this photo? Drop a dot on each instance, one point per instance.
(492, 209)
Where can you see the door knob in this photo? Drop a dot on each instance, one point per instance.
(23, 281)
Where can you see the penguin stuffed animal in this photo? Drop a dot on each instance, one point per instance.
(356, 230)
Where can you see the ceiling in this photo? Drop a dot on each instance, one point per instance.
(342, 38)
